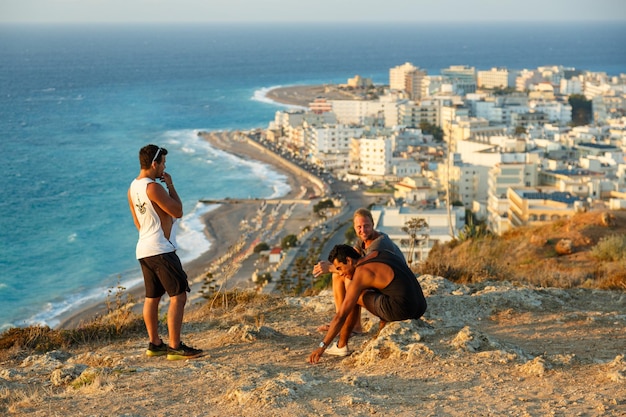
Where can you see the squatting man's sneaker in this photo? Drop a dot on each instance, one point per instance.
(156, 350)
(337, 351)
(182, 352)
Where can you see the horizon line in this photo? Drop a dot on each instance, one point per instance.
(300, 22)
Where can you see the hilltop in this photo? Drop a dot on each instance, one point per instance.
(491, 348)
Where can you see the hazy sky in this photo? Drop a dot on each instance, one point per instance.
(308, 10)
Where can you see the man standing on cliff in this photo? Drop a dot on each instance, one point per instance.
(155, 211)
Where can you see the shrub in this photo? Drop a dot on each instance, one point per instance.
(611, 248)
(261, 247)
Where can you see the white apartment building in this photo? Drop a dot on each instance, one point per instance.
(403, 138)
(468, 183)
(354, 112)
(595, 87)
(449, 113)
(462, 78)
(495, 150)
(411, 114)
(496, 78)
(416, 84)
(503, 176)
(557, 112)
(497, 112)
(391, 220)
(383, 111)
(532, 206)
(599, 83)
(328, 146)
(471, 128)
(286, 118)
(553, 73)
(404, 167)
(371, 157)
(526, 78)
(572, 86)
(416, 190)
(605, 108)
(408, 78)
(397, 76)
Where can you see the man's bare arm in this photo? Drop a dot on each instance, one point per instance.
(132, 210)
(169, 202)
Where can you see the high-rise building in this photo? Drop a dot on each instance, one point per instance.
(496, 78)
(462, 77)
(408, 78)
(397, 76)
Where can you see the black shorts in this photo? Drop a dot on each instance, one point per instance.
(388, 309)
(163, 273)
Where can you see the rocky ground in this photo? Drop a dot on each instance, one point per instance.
(488, 349)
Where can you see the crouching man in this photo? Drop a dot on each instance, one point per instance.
(382, 283)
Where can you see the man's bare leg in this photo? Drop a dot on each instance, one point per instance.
(151, 319)
(381, 325)
(175, 318)
(357, 327)
(339, 293)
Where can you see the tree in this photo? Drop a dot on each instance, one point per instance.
(431, 129)
(261, 247)
(322, 205)
(350, 234)
(581, 109)
(520, 130)
(289, 241)
(473, 229)
(413, 227)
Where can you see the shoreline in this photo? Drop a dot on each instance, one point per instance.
(221, 225)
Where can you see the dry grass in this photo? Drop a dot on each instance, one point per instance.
(534, 255)
(119, 323)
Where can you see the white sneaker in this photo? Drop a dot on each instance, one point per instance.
(337, 351)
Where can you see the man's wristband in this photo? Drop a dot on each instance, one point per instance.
(323, 345)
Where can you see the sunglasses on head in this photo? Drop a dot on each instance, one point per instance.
(156, 155)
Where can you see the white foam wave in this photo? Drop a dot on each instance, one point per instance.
(191, 240)
(191, 143)
(260, 95)
(53, 312)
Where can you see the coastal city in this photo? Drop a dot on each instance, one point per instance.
(466, 150)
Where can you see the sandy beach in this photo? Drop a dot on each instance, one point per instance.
(303, 95)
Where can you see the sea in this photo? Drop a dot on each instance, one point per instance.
(78, 101)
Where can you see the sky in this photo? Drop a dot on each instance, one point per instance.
(179, 11)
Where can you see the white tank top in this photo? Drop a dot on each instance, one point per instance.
(151, 241)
